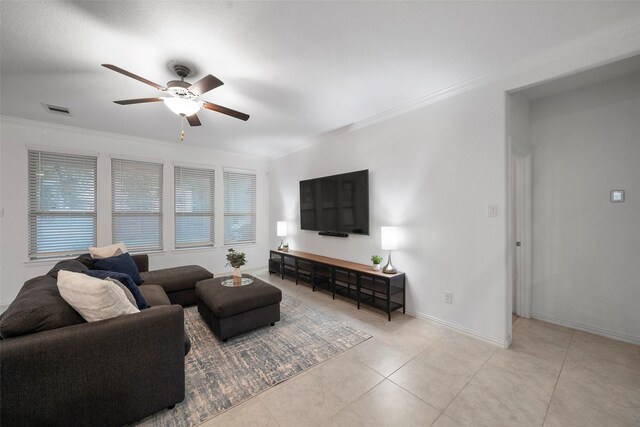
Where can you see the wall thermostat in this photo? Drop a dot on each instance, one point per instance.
(617, 196)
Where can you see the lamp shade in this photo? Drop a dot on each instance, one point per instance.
(389, 238)
(281, 229)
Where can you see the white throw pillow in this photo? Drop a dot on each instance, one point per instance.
(94, 299)
(108, 251)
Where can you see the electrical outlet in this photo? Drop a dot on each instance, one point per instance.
(448, 297)
(492, 211)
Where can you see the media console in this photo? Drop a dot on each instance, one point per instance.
(355, 281)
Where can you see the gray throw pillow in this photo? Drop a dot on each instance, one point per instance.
(126, 290)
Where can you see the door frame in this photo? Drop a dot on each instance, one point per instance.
(516, 148)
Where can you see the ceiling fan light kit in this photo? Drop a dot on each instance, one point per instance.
(182, 106)
(184, 96)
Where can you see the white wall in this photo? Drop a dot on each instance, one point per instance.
(586, 257)
(17, 136)
(433, 172)
(434, 169)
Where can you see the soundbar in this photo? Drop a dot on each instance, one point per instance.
(333, 234)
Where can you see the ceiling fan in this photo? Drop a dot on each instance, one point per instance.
(183, 97)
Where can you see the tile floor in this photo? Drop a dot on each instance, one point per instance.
(417, 373)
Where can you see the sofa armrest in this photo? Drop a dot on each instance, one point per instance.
(142, 262)
(110, 372)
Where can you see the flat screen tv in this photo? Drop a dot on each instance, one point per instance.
(337, 203)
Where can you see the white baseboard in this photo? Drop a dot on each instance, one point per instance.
(587, 328)
(465, 331)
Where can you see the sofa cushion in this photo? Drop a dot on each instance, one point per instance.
(68, 265)
(154, 295)
(94, 299)
(38, 307)
(176, 279)
(122, 263)
(108, 251)
(126, 280)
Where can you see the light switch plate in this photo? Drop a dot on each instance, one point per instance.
(492, 211)
(448, 297)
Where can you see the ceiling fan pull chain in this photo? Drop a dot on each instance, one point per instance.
(182, 132)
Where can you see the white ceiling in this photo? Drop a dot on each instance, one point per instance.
(300, 69)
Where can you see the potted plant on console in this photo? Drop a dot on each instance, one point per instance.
(236, 260)
(376, 260)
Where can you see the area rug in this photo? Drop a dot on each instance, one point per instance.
(221, 375)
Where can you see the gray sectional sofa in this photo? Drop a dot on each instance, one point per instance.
(57, 369)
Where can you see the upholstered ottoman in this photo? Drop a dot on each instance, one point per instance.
(231, 311)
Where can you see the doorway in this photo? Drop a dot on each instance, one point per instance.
(520, 230)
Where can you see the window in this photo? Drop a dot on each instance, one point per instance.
(194, 206)
(62, 204)
(137, 204)
(239, 207)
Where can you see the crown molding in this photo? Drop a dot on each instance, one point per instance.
(119, 136)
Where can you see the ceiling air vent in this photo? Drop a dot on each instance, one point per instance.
(57, 109)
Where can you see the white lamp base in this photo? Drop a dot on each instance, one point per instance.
(389, 268)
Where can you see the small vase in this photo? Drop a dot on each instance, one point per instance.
(237, 275)
(376, 267)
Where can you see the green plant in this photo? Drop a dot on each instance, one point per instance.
(376, 259)
(235, 259)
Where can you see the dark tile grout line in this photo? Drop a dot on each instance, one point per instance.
(383, 376)
(288, 381)
(393, 372)
(442, 412)
(387, 377)
(555, 388)
(415, 357)
(465, 386)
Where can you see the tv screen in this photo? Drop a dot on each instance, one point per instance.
(337, 203)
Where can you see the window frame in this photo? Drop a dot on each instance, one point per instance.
(205, 172)
(34, 200)
(159, 214)
(251, 213)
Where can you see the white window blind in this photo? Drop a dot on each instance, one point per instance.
(62, 204)
(137, 204)
(239, 207)
(194, 206)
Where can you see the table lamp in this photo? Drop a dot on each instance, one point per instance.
(389, 243)
(281, 231)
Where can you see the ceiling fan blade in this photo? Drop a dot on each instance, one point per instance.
(225, 110)
(137, 101)
(193, 120)
(133, 76)
(205, 84)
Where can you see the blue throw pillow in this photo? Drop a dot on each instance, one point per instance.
(121, 263)
(126, 280)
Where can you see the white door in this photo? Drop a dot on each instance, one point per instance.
(520, 232)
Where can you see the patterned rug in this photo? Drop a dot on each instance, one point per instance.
(221, 375)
